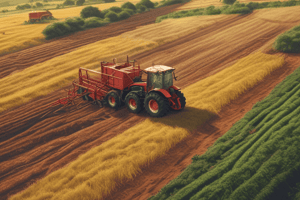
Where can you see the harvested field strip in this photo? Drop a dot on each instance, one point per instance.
(171, 29)
(258, 158)
(95, 173)
(48, 76)
(217, 90)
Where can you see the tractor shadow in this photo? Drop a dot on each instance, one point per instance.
(189, 118)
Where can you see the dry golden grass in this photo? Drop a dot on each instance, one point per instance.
(95, 173)
(172, 29)
(46, 77)
(219, 89)
(280, 15)
(18, 36)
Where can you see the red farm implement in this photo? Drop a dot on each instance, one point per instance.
(117, 84)
(38, 16)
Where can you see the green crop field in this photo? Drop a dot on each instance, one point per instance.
(257, 159)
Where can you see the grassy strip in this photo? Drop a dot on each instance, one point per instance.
(289, 41)
(95, 173)
(236, 8)
(254, 159)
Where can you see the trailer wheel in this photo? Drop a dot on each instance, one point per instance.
(113, 99)
(133, 102)
(156, 105)
(85, 97)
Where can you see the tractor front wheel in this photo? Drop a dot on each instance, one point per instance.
(112, 99)
(156, 105)
(133, 102)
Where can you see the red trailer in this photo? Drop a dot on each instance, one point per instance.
(117, 83)
(38, 16)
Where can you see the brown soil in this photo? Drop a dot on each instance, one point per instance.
(31, 147)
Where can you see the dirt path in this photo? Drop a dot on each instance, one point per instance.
(56, 47)
(31, 147)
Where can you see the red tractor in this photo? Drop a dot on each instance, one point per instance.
(38, 16)
(117, 84)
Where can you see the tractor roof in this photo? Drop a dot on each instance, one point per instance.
(158, 68)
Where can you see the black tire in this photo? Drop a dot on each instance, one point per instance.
(112, 99)
(85, 97)
(182, 98)
(133, 102)
(162, 104)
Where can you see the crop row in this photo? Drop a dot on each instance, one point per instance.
(258, 158)
(96, 173)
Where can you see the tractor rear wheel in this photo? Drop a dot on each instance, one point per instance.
(181, 100)
(113, 99)
(156, 105)
(133, 102)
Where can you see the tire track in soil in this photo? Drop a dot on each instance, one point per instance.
(31, 147)
(56, 47)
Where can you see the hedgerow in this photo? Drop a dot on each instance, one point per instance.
(22, 7)
(75, 23)
(128, 5)
(56, 29)
(91, 11)
(180, 14)
(130, 11)
(289, 41)
(116, 9)
(171, 2)
(123, 15)
(141, 8)
(258, 158)
(112, 16)
(211, 10)
(94, 22)
(146, 3)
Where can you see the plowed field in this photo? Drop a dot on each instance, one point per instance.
(32, 147)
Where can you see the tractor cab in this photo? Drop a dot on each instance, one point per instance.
(159, 77)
